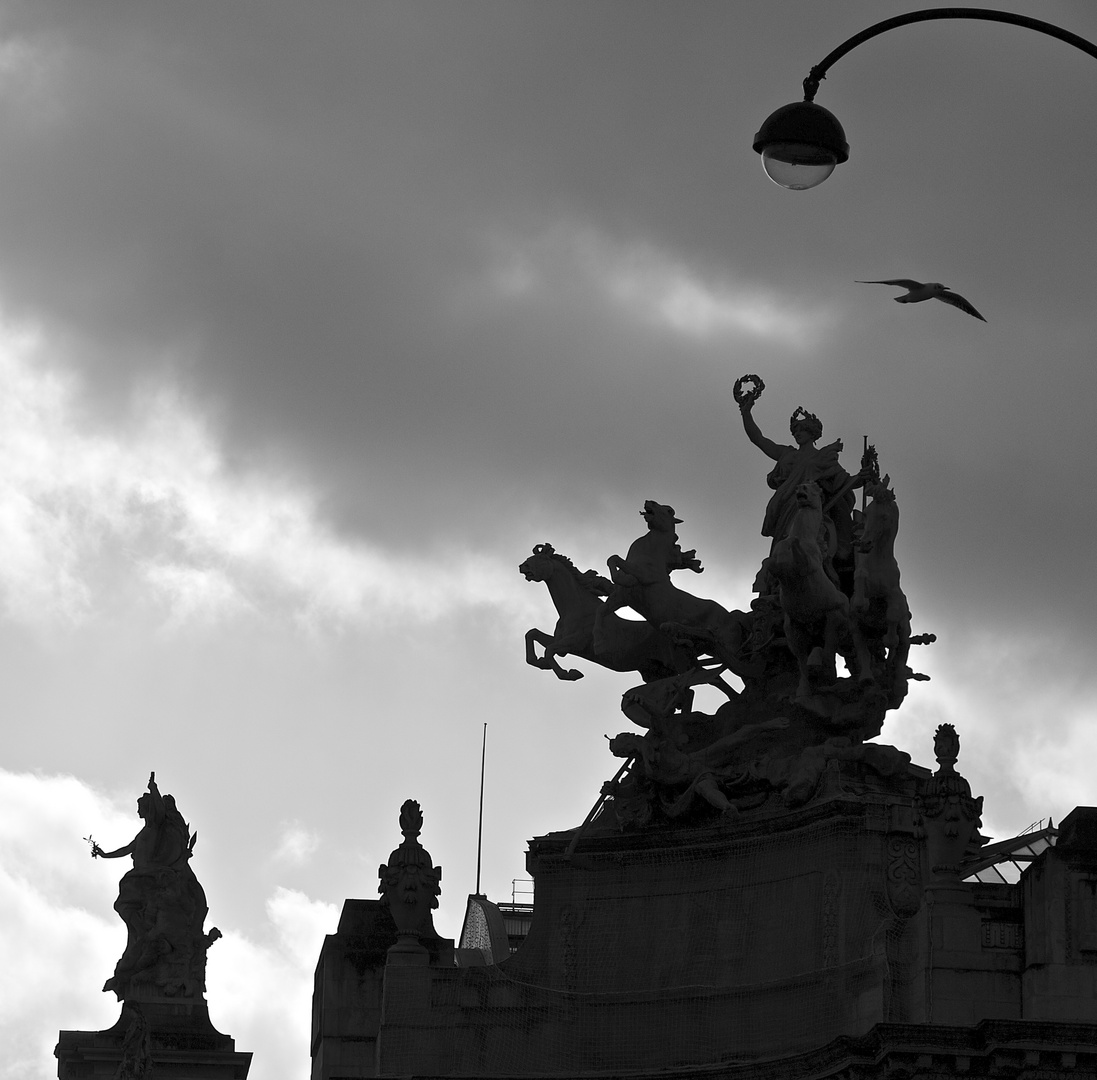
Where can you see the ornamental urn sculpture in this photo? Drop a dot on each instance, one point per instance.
(410, 886)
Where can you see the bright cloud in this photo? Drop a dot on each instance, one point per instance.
(297, 844)
(302, 924)
(153, 509)
(655, 287)
(262, 992)
(55, 953)
(684, 301)
(1021, 735)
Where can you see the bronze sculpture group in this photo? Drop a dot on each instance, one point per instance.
(828, 597)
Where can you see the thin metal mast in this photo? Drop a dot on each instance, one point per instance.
(864, 454)
(480, 827)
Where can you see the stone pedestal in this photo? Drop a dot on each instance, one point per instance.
(676, 947)
(740, 941)
(165, 1039)
(164, 1030)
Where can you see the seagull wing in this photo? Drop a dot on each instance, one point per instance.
(956, 300)
(906, 283)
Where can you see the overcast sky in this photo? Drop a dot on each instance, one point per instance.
(315, 318)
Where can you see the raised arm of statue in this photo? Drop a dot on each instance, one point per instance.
(754, 433)
(155, 802)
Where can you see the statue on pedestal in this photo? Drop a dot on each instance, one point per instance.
(821, 656)
(164, 1028)
(163, 906)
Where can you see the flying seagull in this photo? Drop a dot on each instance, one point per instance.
(929, 290)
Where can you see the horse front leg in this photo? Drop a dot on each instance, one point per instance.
(547, 662)
(897, 634)
(852, 645)
(807, 655)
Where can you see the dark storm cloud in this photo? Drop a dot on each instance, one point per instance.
(288, 207)
(300, 219)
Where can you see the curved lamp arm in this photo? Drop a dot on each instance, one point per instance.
(801, 143)
(819, 72)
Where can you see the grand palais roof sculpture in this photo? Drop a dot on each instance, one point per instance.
(761, 892)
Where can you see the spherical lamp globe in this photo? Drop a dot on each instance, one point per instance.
(800, 145)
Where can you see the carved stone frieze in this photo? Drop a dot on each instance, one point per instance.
(904, 875)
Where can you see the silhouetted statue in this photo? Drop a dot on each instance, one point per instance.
(794, 717)
(681, 775)
(162, 905)
(136, 1063)
(586, 628)
(879, 606)
(799, 464)
(817, 622)
(642, 580)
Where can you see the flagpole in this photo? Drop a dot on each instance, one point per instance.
(480, 827)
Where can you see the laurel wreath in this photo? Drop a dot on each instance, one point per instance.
(742, 397)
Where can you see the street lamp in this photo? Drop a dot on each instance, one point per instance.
(802, 143)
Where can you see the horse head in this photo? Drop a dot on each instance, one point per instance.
(807, 521)
(881, 517)
(540, 565)
(880, 490)
(809, 496)
(660, 518)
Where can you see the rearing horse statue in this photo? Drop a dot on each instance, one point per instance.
(817, 617)
(879, 607)
(587, 628)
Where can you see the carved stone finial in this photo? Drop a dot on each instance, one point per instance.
(946, 748)
(411, 820)
(410, 885)
(949, 816)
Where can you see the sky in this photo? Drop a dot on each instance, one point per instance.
(315, 319)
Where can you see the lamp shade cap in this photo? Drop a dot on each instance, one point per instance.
(806, 124)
